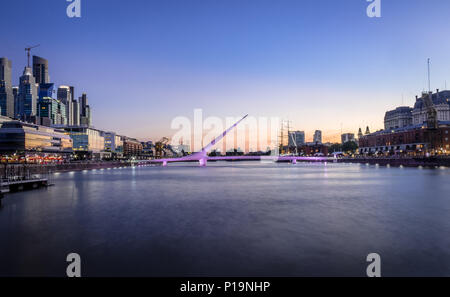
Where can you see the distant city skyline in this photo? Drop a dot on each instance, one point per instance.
(323, 65)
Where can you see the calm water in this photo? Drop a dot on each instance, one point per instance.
(231, 219)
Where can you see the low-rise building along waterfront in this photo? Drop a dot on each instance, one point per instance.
(412, 140)
(20, 137)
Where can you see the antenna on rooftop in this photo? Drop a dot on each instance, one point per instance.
(429, 76)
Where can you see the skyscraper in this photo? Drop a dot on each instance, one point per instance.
(27, 95)
(15, 91)
(40, 70)
(75, 113)
(346, 137)
(296, 138)
(85, 111)
(65, 96)
(45, 90)
(317, 136)
(6, 92)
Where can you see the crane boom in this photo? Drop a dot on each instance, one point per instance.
(28, 50)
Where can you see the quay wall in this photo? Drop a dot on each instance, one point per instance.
(400, 161)
(7, 170)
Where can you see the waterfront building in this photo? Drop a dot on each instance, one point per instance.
(40, 70)
(313, 149)
(27, 97)
(113, 142)
(131, 147)
(317, 136)
(346, 137)
(87, 142)
(21, 137)
(441, 101)
(296, 138)
(398, 118)
(6, 91)
(412, 140)
(148, 149)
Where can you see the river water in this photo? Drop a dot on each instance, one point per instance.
(231, 219)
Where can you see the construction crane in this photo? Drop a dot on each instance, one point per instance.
(160, 146)
(28, 50)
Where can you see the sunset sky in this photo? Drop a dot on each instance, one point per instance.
(322, 64)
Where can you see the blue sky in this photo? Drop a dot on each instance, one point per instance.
(322, 64)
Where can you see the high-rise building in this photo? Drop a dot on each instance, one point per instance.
(46, 90)
(74, 113)
(83, 103)
(296, 138)
(65, 96)
(40, 70)
(15, 90)
(346, 137)
(85, 111)
(52, 111)
(48, 109)
(317, 136)
(6, 92)
(27, 95)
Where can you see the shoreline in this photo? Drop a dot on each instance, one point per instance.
(32, 169)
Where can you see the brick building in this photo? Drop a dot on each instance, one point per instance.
(132, 147)
(412, 140)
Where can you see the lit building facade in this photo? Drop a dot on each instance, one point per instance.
(113, 142)
(86, 139)
(412, 140)
(16, 136)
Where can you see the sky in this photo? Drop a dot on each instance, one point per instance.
(322, 64)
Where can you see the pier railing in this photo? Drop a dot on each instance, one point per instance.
(28, 171)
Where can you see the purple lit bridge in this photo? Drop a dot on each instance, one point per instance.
(203, 158)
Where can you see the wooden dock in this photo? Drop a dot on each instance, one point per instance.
(14, 185)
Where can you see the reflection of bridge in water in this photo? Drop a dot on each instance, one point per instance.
(203, 158)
